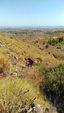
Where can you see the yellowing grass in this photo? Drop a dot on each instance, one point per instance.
(20, 48)
(12, 93)
(5, 65)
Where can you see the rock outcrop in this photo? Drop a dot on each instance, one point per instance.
(36, 108)
(33, 108)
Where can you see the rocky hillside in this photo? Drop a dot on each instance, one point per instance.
(19, 85)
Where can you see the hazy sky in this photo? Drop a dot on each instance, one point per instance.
(31, 12)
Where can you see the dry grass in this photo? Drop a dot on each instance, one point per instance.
(5, 66)
(12, 95)
(12, 90)
(22, 49)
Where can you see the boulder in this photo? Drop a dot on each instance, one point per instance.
(50, 110)
(38, 109)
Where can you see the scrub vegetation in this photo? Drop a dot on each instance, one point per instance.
(20, 84)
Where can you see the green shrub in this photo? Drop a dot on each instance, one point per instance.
(55, 41)
(58, 47)
(46, 46)
(60, 39)
(53, 84)
(36, 42)
(43, 43)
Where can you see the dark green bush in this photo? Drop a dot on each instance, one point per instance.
(60, 39)
(46, 46)
(43, 43)
(55, 41)
(53, 85)
(58, 47)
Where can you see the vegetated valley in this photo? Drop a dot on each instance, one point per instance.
(42, 84)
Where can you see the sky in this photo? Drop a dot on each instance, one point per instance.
(31, 13)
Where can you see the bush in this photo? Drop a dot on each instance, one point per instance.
(60, 39)
(46, 46)
(55, 41)
(36, 42)
(53, 85)
(58, 47)
(43, 43)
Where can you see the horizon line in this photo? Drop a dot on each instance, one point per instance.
(59, 26)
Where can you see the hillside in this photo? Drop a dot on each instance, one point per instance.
(16, 77)
(22, 49)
